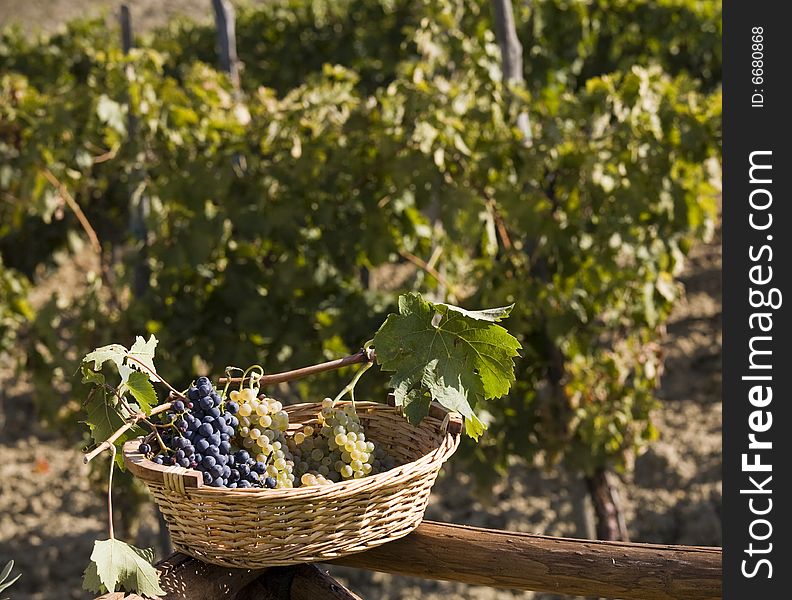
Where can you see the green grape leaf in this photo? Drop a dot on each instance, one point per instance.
(143, 391)
(91, 376)
(91, 581)
(416, 406)
(104, 419)
(143, 351)
(100, 356)
(119, 565)
(459, 357)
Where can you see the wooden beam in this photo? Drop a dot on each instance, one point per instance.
(543, 563)
(502, 559)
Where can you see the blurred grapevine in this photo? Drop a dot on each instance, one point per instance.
(370, 136)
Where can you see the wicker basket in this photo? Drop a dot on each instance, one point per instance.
(255, 528)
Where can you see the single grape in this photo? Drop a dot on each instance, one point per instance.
(270, 482)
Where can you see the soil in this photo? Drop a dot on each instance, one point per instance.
(50, 515)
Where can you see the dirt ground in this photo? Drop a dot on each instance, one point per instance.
(49, 515)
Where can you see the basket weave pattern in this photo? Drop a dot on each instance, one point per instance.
(256, 528)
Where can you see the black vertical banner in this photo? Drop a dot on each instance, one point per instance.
(757, 300)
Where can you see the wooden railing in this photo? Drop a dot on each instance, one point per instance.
(501, 559)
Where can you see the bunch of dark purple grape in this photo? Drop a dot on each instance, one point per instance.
(199, 436)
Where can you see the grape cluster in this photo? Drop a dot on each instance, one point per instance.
(337, 449)
(262, 427)
(200, 437)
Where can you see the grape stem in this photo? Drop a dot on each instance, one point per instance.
(350, 387)
(152, 373)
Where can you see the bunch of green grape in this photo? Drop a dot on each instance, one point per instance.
(262, 427)
(337, 449)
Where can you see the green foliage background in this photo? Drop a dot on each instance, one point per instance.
(278, 218)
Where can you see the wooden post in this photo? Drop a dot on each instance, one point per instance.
(126, 29)
(139, 203)
(607, 506)
(503, 559)
(511, 55)
(226, 39)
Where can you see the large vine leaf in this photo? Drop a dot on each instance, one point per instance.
(459, 358)
(116, 565)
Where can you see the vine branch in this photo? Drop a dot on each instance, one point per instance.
(134, 420)
(110, 493)
(364, 355)
(78, 212)
(427, 268)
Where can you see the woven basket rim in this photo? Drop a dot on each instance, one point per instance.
(350, 487)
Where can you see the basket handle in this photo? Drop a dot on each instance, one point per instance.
(174, 478)
(452, 421)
